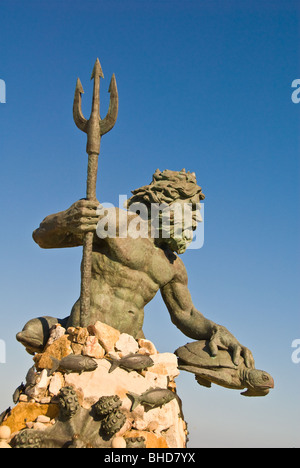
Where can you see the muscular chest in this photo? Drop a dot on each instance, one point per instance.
(133, 259)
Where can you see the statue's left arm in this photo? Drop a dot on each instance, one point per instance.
(193, 324)
(67, 228)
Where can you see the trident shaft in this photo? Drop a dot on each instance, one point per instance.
(95, 127)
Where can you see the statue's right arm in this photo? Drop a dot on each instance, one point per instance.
(193, 324)
(67, 228)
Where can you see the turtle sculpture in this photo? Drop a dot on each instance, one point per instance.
(196, 357)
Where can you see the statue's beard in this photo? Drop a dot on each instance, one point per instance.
(177, 245)
(176, 238)
(172, 225)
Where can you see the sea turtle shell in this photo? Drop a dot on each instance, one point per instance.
(196, 357)
(198, 354)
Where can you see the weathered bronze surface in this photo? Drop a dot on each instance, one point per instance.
(112, 423)
(121, 274)
(152, 398)
(74, 363)
(196, 357)
(107, 404)
(75, 427)
(128, 272)
(131, 362)
(135, 442)
(94, 128)
(35, 333)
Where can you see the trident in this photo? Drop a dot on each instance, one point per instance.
(95, 127)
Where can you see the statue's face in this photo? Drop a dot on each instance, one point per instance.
(260, 379)
(171, 224)
(178, 225)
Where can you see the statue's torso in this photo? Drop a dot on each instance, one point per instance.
(126, 275)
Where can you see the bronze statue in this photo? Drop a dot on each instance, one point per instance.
(128, 272)
(122, 273)
(129, 254)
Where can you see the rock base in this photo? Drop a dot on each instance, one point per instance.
(109, 406)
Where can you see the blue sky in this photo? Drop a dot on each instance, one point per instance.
(204, 85)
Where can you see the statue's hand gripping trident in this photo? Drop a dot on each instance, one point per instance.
(94, 128)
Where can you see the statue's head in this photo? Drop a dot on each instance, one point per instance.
(173, 203)
(259, 383)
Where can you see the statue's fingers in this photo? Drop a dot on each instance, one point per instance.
(213, 347)
(83, 228)
(89, 212)
(88, 221)
(92, 219)
(236, 354)
(100, 209)
(249, 360)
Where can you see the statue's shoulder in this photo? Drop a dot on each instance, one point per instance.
(180, 271)
(177, 266)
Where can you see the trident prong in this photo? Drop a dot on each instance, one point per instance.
(95, 127)
(109, 121)
(80, 121)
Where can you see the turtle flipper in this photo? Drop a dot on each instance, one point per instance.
(219, 376)
(202, 382)
(252, 392)
(189, 368)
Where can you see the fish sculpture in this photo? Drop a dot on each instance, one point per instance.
(131, 362)
(16, 395)
(73, 363)
(153, 397)
(31, 377)
(4, 414)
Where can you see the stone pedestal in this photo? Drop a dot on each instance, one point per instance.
(95, 408)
